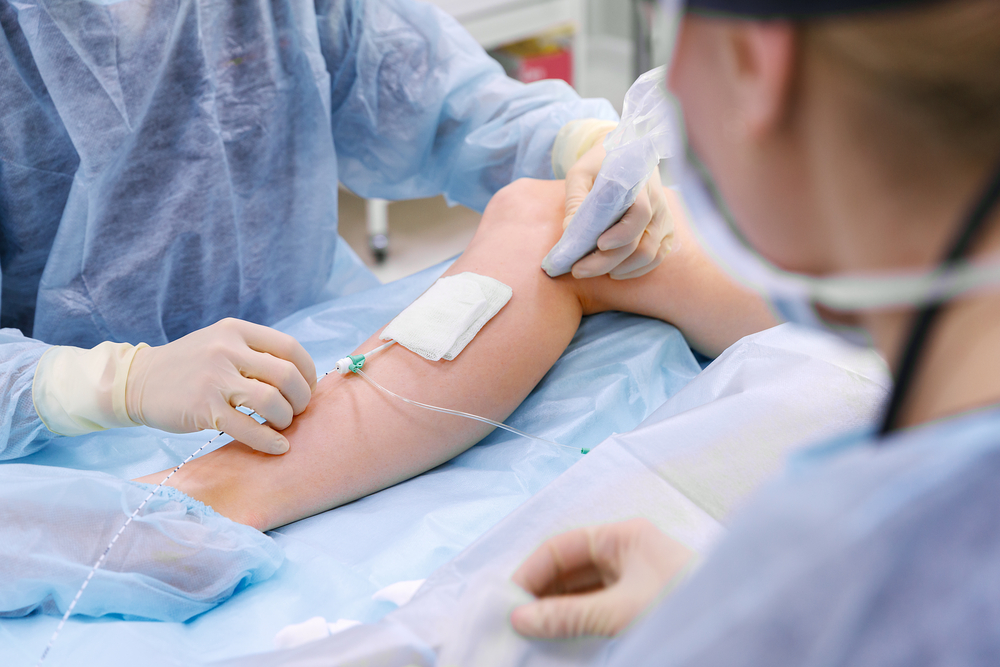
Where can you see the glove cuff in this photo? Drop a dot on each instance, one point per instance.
(77, 391)
(574, 139)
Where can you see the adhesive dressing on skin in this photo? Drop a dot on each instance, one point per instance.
(446, 317)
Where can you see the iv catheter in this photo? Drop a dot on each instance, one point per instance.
(355, 362)
(350, 364)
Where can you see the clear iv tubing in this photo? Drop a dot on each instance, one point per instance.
(433, 408)
(458, 413)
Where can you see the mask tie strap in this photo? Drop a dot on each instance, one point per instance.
(924, 321)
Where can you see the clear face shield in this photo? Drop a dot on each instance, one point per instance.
(798, 297)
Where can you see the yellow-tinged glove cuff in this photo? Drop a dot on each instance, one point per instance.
(77, 391)
(574, 139)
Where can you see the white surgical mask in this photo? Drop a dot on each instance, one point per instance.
(788, 293)
(796, 294)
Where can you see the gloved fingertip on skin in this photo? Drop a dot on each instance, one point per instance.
(588, 267)
(585, 274)
(524, 620)
(612, 243)
(276, 448)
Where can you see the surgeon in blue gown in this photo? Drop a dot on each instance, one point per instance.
(856, 145)
(167, 165)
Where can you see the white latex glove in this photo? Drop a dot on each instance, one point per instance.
(189, 385)
(596, 580)
(639, 241)
(198, 381)
(643, 236)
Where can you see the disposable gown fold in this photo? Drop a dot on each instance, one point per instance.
(165, 165)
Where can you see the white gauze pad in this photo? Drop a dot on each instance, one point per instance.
(440, 323)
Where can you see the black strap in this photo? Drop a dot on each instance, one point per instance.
(924, 320)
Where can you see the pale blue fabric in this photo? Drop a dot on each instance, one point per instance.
(863, 554)
(335, 561)
(24, 431)
(175, 560)
(164, 165)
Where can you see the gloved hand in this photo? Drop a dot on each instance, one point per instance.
(191, 384)
(638, 242)
(617, 218)
(596, 580)
(196, 383)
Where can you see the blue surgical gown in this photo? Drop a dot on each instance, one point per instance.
(167, 164)
(865, 554)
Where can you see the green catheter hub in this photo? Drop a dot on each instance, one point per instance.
(355, 362)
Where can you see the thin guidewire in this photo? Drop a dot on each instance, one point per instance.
(458, 413)
(111, 544)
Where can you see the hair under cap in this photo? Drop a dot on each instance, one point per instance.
(797, 9)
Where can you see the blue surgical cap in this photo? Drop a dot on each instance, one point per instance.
(797, 9)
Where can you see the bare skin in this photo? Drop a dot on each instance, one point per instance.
(353, 440)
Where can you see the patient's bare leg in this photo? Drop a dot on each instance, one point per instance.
(352, 440)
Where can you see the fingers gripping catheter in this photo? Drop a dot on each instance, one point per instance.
(350, 364)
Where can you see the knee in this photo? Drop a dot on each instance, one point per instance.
(527, 204)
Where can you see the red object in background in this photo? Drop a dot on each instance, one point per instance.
(557, 65)
(548, 56)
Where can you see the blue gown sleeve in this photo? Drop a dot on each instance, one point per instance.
(37, 162)
(419, 109)
(21, 430)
